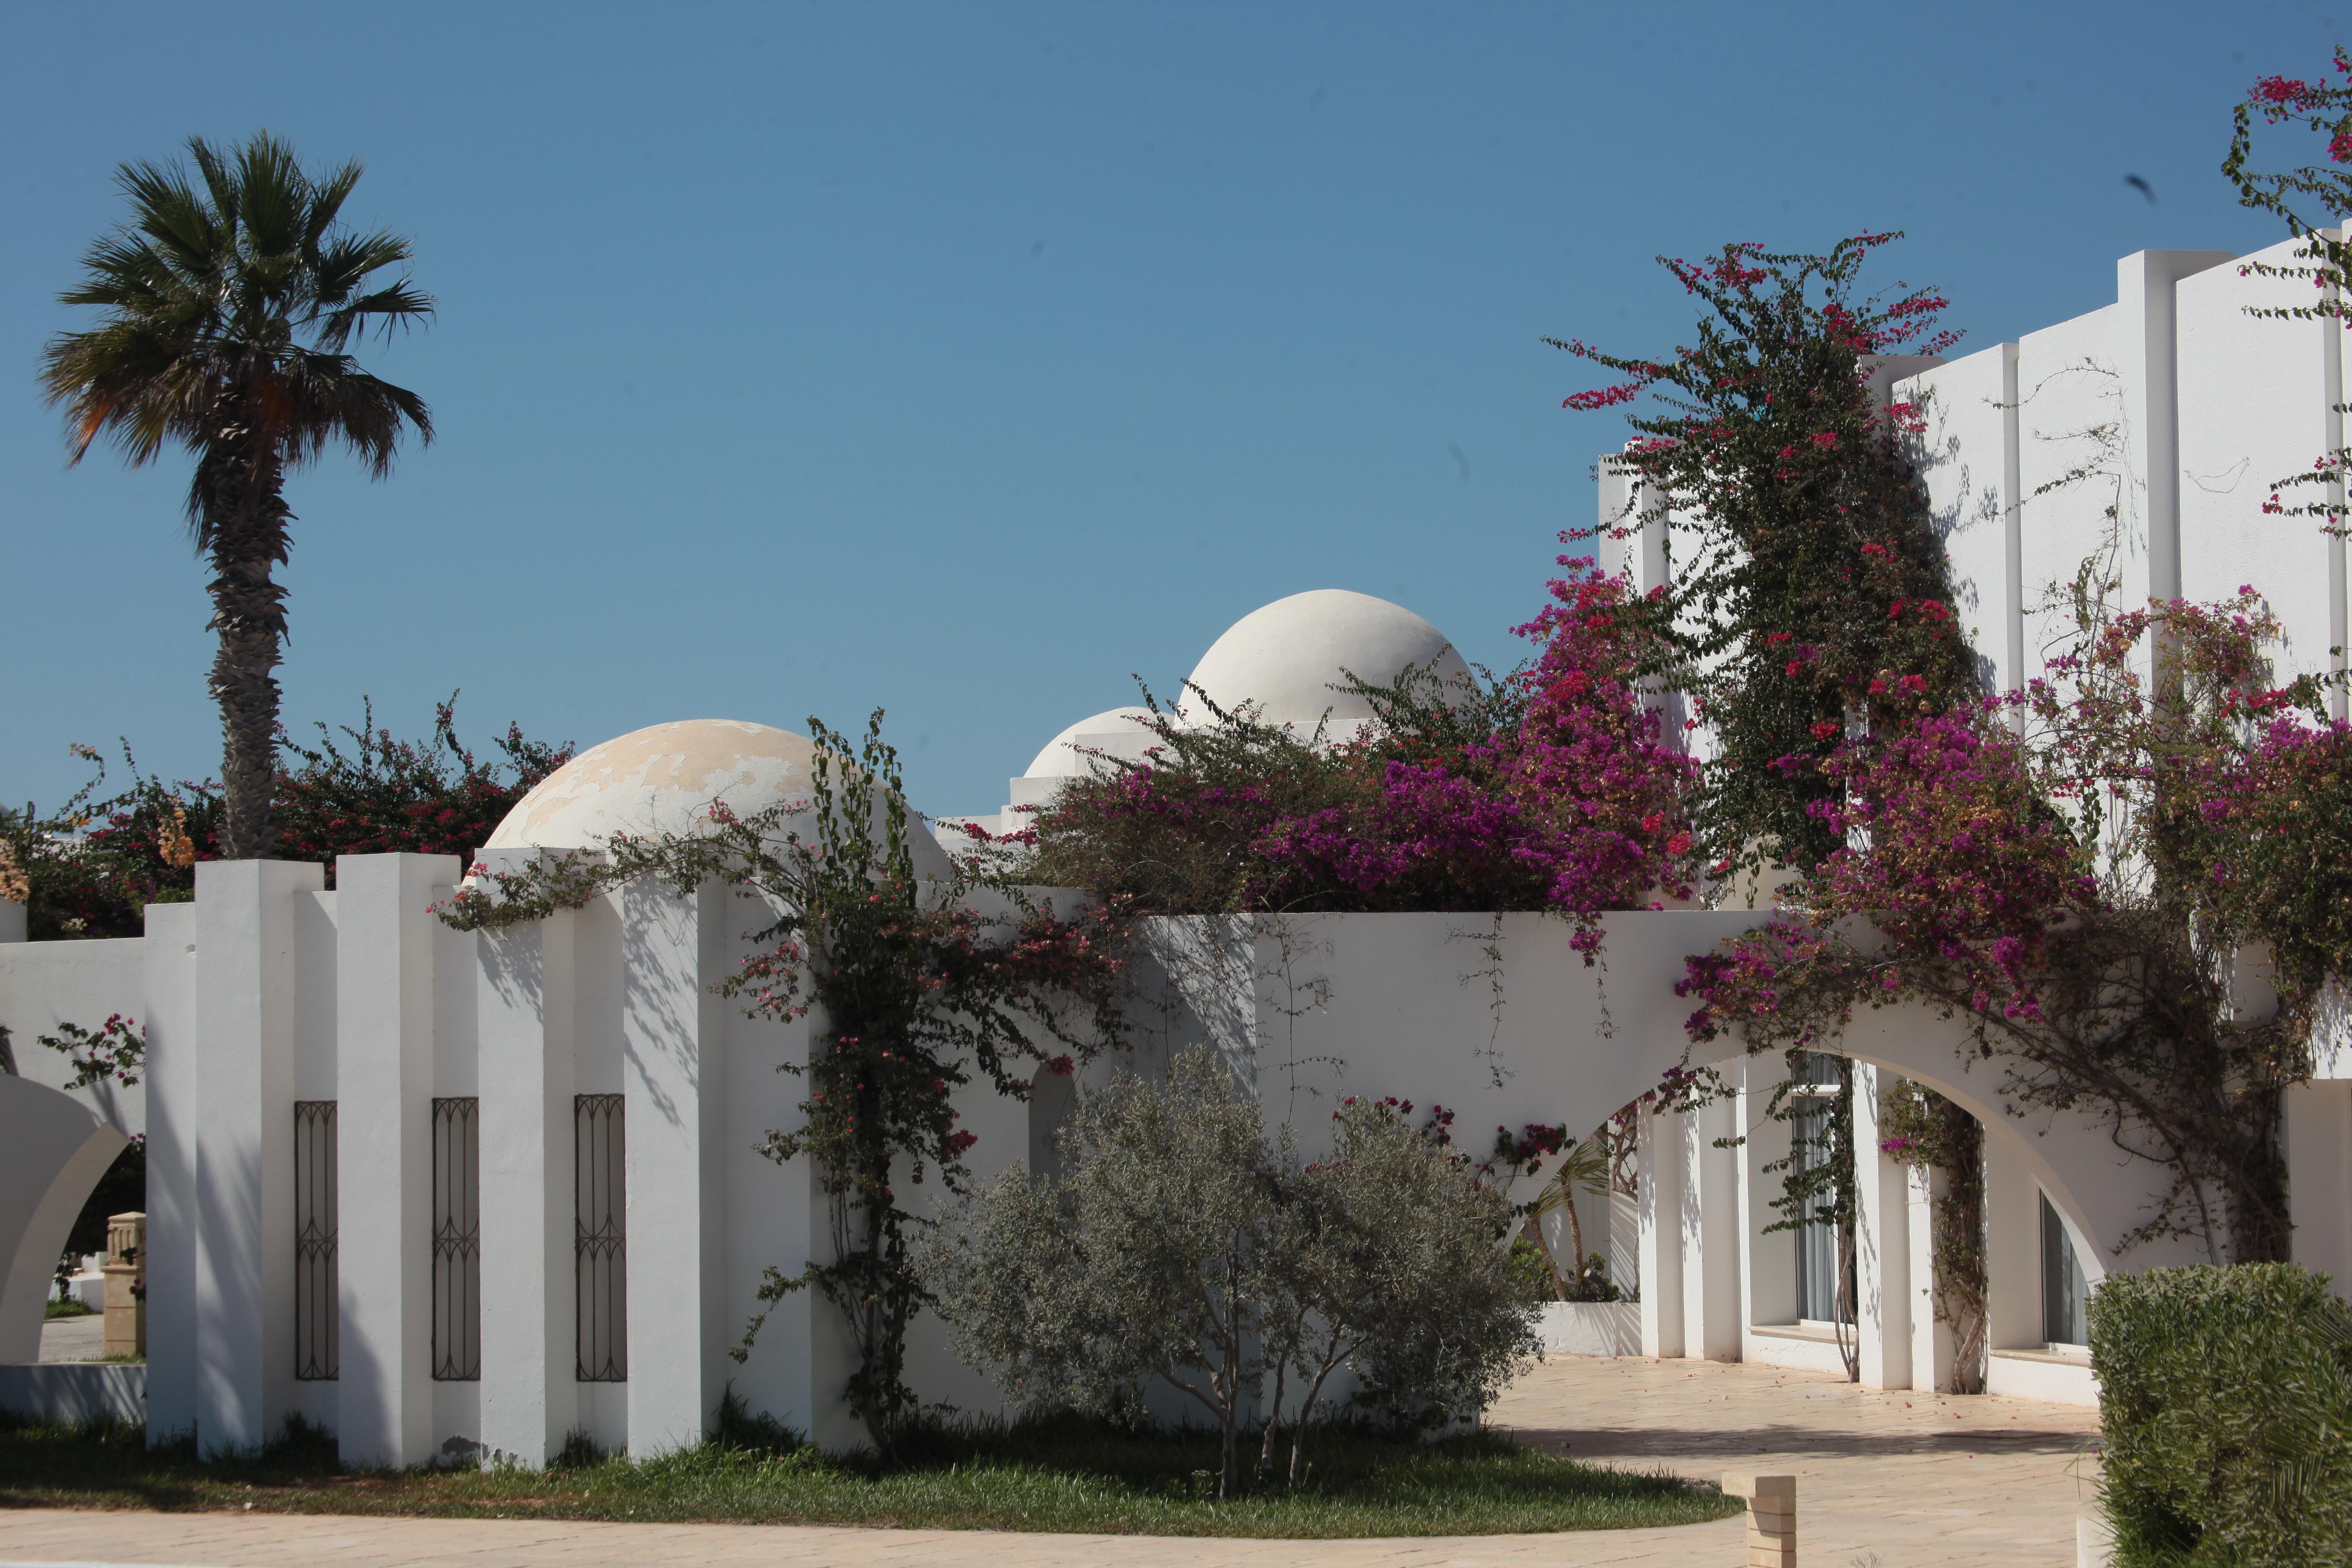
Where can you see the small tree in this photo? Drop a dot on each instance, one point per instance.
(1182, 1243)
(1147, 1257)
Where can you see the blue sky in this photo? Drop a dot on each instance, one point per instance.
(963, 359)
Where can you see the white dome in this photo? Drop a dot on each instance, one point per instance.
(1060, 758)
(662, 779)
(1286, 658)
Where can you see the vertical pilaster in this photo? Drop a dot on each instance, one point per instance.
(384, 1084)
(1932, 1344)
(1768, 1262)
(1711, 1239)
(2319, 1177)
(1658, 1210)
(524, 999)
(673, 1032)
(2339, 613)
(2012, 531)
(2012, 1246)
(244, 1138)
(168, 976)
(1882, 1226)
(2145, 284)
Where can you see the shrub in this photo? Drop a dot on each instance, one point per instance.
(90, 868)
(2225, 1407)
(1181, 1243)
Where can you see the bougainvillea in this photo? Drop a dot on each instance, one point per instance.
(1550, 789)
(2089, 897)
(1805, 576)
(92, 866)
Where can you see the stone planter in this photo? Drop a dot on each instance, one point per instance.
(1591, 1328)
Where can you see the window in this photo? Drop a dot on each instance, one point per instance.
(1819, 1084)
(2065, 1317)
(316, 1337)
(600, 1247)
(457, 1241)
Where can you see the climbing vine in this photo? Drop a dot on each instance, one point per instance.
(1924, 1131)
(912, 993)
(1805, 581)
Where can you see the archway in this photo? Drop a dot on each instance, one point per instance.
(53, 1150)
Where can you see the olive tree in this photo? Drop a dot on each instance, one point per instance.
(1180, 1242)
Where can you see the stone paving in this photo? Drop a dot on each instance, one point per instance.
(1884, 1480)
(74, 1338)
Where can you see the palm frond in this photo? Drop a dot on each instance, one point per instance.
(229, 298)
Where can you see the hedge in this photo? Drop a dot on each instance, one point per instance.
(2225, 1408)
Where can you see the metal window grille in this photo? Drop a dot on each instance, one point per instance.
(2065, 1297)
(457, 1241)
(600, 1247)
(317, 1337)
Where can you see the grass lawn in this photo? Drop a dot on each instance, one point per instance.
(1058, 1476)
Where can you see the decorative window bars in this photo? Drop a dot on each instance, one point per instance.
(457, 1240)
(600, 1244)
(317, 1338)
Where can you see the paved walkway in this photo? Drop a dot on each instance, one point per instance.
(1885, 1480)
(74, 1338)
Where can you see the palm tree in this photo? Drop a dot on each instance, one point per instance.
(228, 309)
(1584, 1168)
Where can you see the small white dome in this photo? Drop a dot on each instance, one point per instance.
(1060, 758)
(1286, 658)
(662, 779)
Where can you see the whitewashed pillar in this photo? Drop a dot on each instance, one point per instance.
(243, 1147)
(1933, 1346)
(384, 937)
(1658, 1212)
(1710, 1224)
(673, 1033)
(168, 979)
(1768, 1262)
(525, 1008)
(2012, 1247)
(1882, 1225)
(2319, 1177)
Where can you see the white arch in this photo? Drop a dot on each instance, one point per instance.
(53, 1150)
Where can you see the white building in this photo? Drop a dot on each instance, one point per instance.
(446, 1193)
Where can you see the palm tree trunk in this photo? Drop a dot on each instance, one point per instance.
(241, 523)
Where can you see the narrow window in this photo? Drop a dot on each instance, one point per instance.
(1819, 1299)
(316, 1335)
(457, 1241)
(600, 1248)
(2065, 1300)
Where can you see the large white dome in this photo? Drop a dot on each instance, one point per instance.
(1286, 658)
(1105, 731)
(662, 779)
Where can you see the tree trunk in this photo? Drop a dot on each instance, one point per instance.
(241, 520)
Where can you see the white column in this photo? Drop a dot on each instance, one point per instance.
(2319, 1177)
(1658, 1210)
(1932, 1344)
(2012, 1246)
(243, 1139)
(1767, 1263)
(525, 1007)
(1710, 1210)
(2144, 289)
(384, 1084)
(1882, 1226)
(673, 1031)
(168, 975)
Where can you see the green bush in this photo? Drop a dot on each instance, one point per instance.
(2225, 1408)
